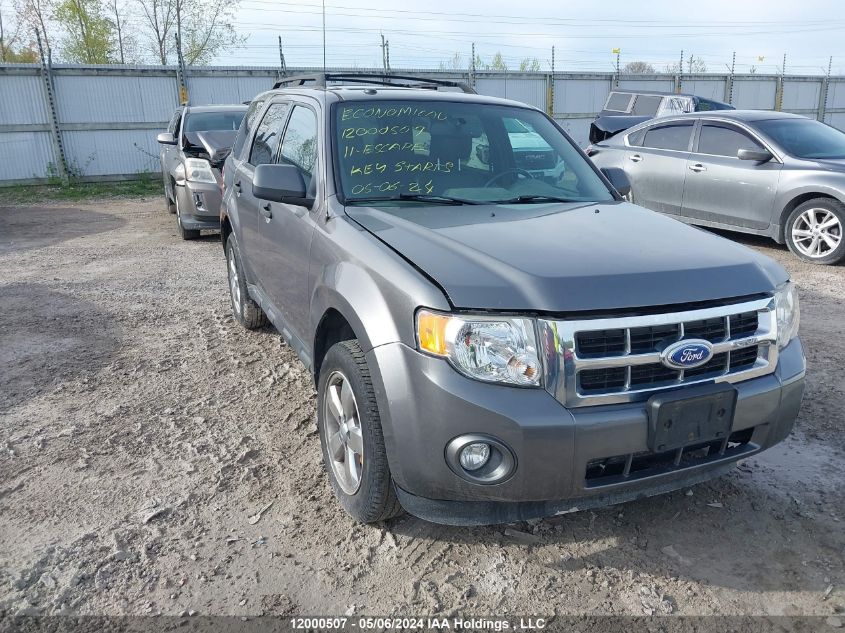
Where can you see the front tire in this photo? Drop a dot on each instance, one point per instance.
(185, 234)
(246, 312)
(814, 231)
(351, 436)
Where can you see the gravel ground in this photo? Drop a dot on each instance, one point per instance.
(143, 432)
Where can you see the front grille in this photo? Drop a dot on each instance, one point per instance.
(623, 468)
(618, 359)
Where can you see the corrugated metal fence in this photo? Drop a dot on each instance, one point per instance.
(108, 116)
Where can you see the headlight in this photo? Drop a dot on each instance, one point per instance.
(199, 170)
(492, 349)
(786, 313)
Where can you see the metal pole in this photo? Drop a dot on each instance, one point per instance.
(184, 97)
(618, 54)
(383, 53)
(282, 58)
(56, 134)
(324, 35)
(472, 68)
(824, 92)
(387, 53)
(550, 94)
(730, 86)
(779, 90)
(678, 78)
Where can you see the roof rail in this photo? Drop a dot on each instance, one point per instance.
(321, 80)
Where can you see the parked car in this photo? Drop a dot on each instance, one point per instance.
(768, 173)
(190, 165)
(488, 346)
(626, 108)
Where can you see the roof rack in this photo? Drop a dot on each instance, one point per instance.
(321, 80)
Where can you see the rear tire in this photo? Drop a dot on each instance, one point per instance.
(246, 312)
(349, 422)
(814, 231)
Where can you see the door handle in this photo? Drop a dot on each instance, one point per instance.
(698, 167)
(265, 211)
(635, 158)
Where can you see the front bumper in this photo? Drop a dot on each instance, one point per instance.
(199, 205)
(424, 403)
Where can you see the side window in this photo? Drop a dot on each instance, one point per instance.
(247, 125)
(268, 135)
(646, 105)
(618, 101)
(674, 136)
(724, 141)
(636, 138)
(300, 145)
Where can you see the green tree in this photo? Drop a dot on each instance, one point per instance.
(12, 47)
(530, 64)
(35, 16)
(89, 33)
(206, 25)
(498, 63)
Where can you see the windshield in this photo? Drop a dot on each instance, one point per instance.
(805, 138)
(403, 152)
(207, 121)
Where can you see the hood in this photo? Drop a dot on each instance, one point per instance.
(568, 257)
(218, 144)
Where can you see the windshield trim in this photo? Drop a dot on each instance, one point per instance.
(335, 162)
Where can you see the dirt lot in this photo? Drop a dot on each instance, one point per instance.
(142, 429)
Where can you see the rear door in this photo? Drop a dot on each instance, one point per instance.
(721, 188)
(656, 164)
(263, 149)
(285, 230)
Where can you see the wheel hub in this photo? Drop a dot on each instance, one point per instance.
(342, 430)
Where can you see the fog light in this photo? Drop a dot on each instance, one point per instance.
(474, 456)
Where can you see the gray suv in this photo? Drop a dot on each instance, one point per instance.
(490, 343)
(190, 154)
(769, 173)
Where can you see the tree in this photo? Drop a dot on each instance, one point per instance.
(206, 25)
(89, 37)
(35, 16)
(455, 62)
(693, 65)
(12, 48)
(529, 64)
(498, 63)
(126, 44)
(638, 68)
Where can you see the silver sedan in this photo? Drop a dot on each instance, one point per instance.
(768, 173)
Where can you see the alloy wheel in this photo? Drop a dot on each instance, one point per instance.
(816, 232)
(344, 438)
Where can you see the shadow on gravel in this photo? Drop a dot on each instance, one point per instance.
(25, 228)
(48, 338)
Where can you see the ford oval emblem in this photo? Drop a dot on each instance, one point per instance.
(687, 354)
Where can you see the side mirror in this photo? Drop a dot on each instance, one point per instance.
(619, 179)
(166, 138)
(280, 183)
(758, 155)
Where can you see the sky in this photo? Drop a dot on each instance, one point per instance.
(423, 35)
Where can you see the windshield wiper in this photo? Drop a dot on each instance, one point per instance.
(417, 197)
(527, 199)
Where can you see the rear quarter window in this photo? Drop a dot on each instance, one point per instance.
(674, 136)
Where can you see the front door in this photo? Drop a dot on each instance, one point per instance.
(656, 165)
(721, 188)
(285, 230)
(263, 150)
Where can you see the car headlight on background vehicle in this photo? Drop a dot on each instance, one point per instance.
(787, 313)
(199, 170)
(492, 349)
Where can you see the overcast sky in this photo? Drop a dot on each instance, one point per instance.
(583, 32)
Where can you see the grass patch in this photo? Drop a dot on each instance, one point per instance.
(79, 191)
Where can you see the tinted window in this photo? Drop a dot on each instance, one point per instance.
(206, 121)
(618, 101)
(246, 128)
(705, 105)
(388, 148)
(300, 145)
(268, 135)
(646, 105)
(805, 138)
(675, 136)
(724, 141)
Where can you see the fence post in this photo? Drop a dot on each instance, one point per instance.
(550, 88)
(729, 85)
(823, 92)
(52, 112)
